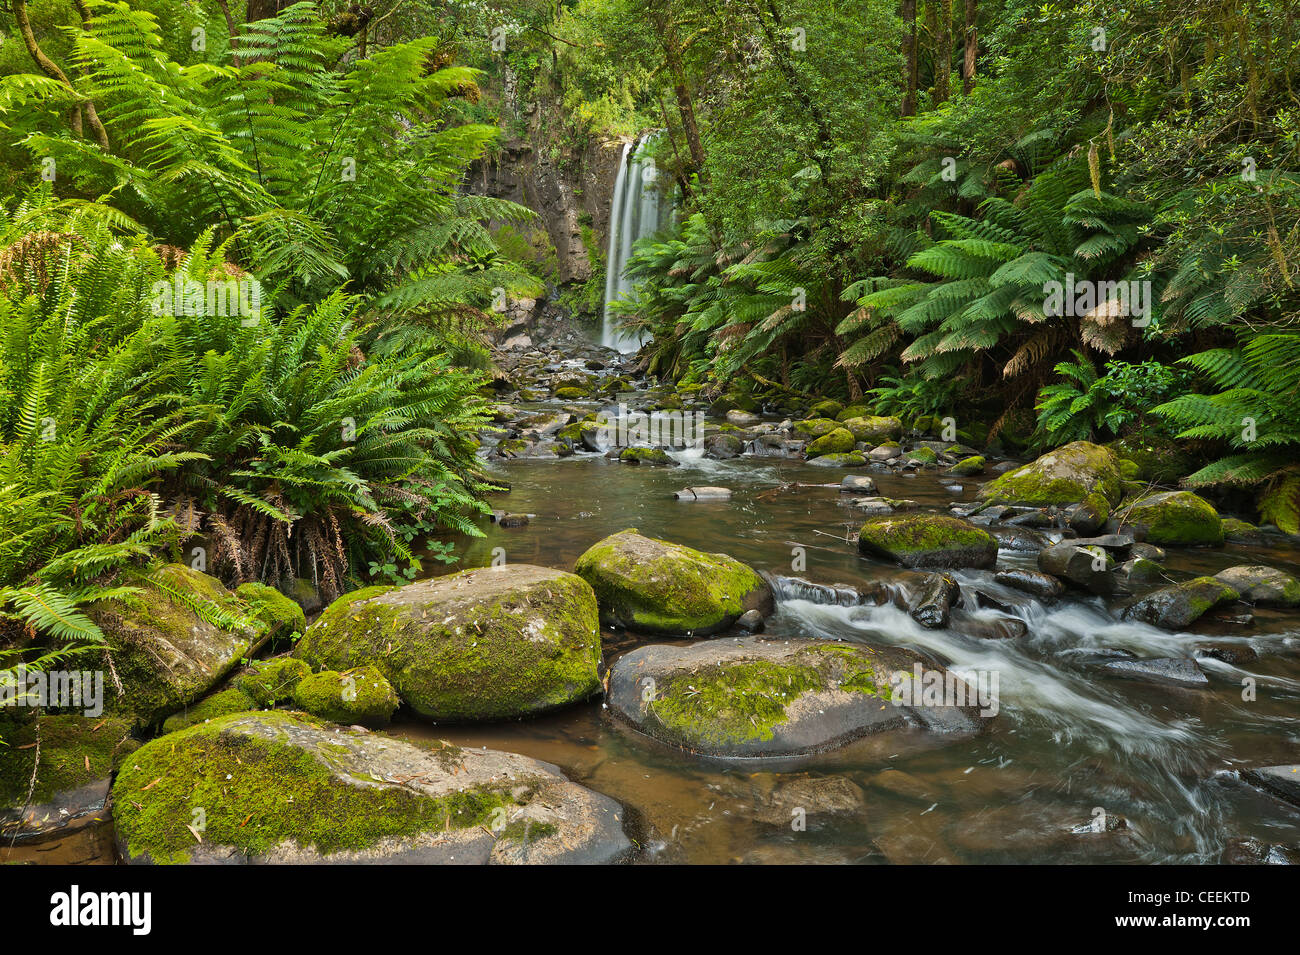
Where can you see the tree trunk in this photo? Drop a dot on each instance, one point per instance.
(262, 10)
(909, 58)
(943, 52)
(51, 69)
(972, 46)
(668, 41)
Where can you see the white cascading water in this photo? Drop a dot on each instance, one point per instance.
(634, 214)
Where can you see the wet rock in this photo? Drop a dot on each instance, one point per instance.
(165, 653)
(651, 456)
(1174, 671)
(1242, 533)
(723, 446)
(833, 595)
(504, 519)
(1233, 653)
(928, 540)
(657, 587)
(857, 484)
(1180, 518)
(1120, 546)
(988, 628)
(813, 799)
(1067, 475)
(1040, 585)
(488, 643)
(1089, 515)
(742, 419)
(279, 788)
(1179, 605)
(1265, 586)
(751, 621)
(934, 602)
(78, 755)
(1149, 551)
(851, 459)
(754, 697)
(703, 493)
(1022, 539)
(1137, 573)
(1280, 781)
(884, 452)
(1087, 568)
(1254, 852)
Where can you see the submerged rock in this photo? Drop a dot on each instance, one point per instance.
(934, 603)
(1031, 582)
(1067, 475)
(1175, 517)
(1179, 605)
(283, 788)
(754, 697)
(489, 643)
(928, 540)
(1176, 671)
(661, 588)
(1262, 585)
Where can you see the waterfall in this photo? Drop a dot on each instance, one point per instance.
(634, 214)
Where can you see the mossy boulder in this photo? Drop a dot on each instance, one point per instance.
(358, 696)
(653, 456)
(571, 393)
(281, 787)
(666, 589)
(78, 755)
(489, 643)
(174, 642)
(1265, 586)
(765, 698)
(1179, 605)
(1064, 476)
(1180, 518)
(1155, 457)
(221, 703)
(815, 427)
(1236, 531)
(839, 441)
(853, 411)
(723, 446)
(928, 540)
(923, 456)
(967, 467)
(850, 459)
(280, 615)
(873, 429)
(825, 409)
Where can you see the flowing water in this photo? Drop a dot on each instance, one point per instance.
(1070, 743)
(636, 211)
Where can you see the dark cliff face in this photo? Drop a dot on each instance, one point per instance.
(567, 187)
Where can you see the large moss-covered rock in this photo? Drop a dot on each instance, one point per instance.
(815, 427)
(839, 441)
(280, 787)
(661, 588)
(873, 429)
(968, 467)
(358, 696)
(219, 704)
(174, 642)
(757, 698)
(1064, 476)
(1265, 586)
(1175, 517)
(851, 459)
(490, 643)
(1179, 605)
(928, 540)
(78, 755)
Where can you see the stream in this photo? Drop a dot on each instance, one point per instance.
(1070, 743)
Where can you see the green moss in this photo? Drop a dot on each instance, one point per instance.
(1064, 476)
(968, 466)
(740, 702)
(526, 831)
(511, 446)
(839, 441)
(825, 409)
(256, 794)
(360, 695)
(925, 456)
(815, 427)
(645, 456)
(519, 652)
(74, 750)
(852, 459)
(272, 682)
(923, 540)
(1178, 518)
(853, 411)
(669, 588)
(219, 704)
(280, 615)
(873, 429)
(570, 393)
